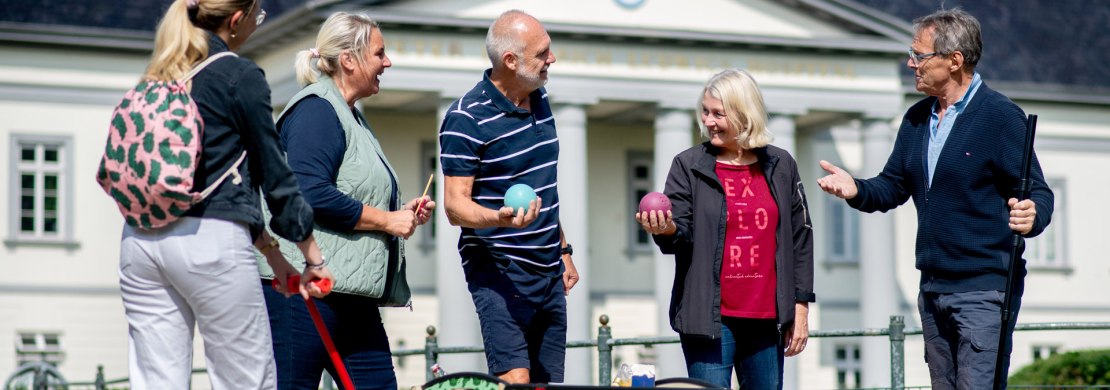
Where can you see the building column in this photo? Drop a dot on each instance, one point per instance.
(573, 218)
(458, 323)
(783, 128)
(673, 134)
(878, 293)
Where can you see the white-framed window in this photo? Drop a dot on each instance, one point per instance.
(847, 363)
(41, 190)
(31, 346)
(640, 171)
(1041, 351)
(429, 164)
(842, 231)
(1047, 250)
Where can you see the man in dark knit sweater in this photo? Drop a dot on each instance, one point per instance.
(958, 155)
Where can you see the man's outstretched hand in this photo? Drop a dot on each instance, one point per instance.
(838, 182)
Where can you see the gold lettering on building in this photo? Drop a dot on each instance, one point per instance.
(603, 57)
(577, 55)
(682, 61)
(701, 62)
(756, 66)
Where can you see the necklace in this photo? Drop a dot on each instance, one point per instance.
(740, 159)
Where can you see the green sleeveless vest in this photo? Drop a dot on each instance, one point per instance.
(360, 260)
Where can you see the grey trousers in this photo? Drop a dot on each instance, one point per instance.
(961, 337)
(195, 272)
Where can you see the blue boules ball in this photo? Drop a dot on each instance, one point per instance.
(518, 196)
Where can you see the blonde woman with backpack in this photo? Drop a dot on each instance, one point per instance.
(200, 269)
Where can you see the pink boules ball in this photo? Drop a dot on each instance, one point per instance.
(655, 201)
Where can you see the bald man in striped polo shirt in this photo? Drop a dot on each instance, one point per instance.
(518, 265)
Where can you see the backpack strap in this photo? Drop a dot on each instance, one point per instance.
(206, 62)
(233, 171)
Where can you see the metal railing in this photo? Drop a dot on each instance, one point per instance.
(896, 332)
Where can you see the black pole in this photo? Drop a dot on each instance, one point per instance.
(1015, 256)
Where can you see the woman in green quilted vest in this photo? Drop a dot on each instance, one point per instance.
(360, 221)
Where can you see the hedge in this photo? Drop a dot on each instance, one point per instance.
(1090, 367)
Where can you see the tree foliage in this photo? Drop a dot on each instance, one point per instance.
(1091, 367)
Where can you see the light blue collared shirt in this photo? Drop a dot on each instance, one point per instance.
(939, 129)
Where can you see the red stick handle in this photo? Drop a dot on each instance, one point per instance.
(293, 283)
(329, 345)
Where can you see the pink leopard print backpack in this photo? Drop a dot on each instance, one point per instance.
(151, 155)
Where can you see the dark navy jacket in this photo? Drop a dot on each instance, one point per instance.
(234, 101)
(699, 210)
(963, 233)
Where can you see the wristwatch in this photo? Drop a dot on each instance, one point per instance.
(566, 250)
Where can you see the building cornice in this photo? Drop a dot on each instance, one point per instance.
(862, 16)
(880, 33)
(863, 44)
(305, 19)
(77, 37)
(297, 22)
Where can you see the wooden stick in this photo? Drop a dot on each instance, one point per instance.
(426, 187)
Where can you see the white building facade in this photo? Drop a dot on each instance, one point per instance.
(624, 90)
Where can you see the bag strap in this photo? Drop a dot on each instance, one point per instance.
(232, 171)
(204, 64)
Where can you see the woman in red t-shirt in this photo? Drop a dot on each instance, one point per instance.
(743, 243)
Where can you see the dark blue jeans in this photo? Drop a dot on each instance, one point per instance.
(756, 356)
(961, 336)
(356, 328)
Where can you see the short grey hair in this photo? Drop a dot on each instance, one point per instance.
(502, 38)
(954, 30)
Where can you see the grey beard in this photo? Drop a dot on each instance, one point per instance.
(533, 82)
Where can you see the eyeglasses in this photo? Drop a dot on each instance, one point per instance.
(261, 16)
(917, 59)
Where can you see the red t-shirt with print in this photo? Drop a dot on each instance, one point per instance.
(748, 267)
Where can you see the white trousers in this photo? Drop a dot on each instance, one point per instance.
(195, 271)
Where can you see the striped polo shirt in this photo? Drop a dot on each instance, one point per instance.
(485, 136)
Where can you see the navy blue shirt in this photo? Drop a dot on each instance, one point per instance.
(316, 143)
(499, 144)
(963, 233)
(312, 134)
